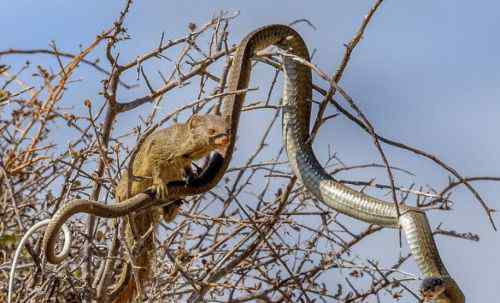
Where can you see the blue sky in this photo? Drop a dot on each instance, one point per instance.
(426, 73)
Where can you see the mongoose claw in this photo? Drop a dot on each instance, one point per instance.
(161, 191)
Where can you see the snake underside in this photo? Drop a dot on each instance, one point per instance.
(297, 98)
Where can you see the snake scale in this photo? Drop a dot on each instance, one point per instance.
(297, 98)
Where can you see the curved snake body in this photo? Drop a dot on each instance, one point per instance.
(297, 96)
(296, 116)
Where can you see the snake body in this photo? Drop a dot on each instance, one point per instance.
(297, 98)
(203, 183)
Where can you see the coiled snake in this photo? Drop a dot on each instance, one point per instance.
(297, 98)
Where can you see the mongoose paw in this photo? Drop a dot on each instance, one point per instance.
(170, 211)
(160, 190)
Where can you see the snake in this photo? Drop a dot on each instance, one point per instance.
(437, 284)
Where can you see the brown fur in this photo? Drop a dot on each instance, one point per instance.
(166, 155)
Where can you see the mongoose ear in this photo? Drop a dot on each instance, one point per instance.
(195, 121)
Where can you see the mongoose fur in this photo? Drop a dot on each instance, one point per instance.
(166, 155)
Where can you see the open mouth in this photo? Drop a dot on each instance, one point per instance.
(221, 140)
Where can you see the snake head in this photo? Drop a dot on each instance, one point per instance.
(441, 290)
(432, 288)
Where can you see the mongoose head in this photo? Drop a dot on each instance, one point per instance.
(207, 133)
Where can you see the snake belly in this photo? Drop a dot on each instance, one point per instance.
(297, 97)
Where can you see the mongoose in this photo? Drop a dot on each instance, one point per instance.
(166, 155)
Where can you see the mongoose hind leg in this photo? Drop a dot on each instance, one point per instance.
(171, 210)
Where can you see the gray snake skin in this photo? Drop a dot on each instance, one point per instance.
(297, 98)
(296, 116)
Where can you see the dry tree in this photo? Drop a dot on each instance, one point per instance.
(256, 237)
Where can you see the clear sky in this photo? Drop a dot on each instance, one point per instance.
(426, 73)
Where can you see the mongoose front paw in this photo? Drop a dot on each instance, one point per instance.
(161, 190)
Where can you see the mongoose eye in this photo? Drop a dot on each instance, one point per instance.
(211, 131)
